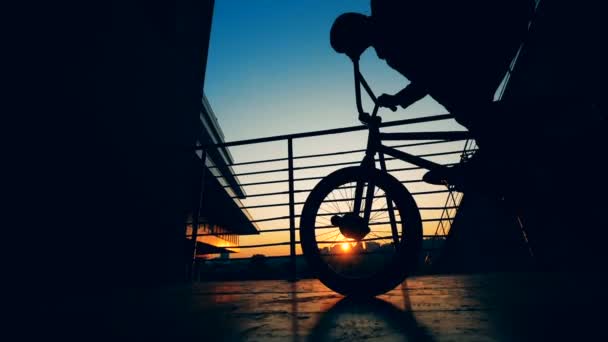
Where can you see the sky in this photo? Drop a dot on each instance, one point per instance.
(272, 71)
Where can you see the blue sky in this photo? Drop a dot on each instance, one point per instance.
(272, 71)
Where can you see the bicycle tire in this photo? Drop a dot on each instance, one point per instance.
(407, 251)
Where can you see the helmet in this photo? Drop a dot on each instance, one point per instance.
(350, 34)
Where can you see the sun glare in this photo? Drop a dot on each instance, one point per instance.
(345, 247)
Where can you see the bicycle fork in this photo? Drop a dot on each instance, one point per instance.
(368, 165)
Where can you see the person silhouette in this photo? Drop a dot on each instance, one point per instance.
(455, 51)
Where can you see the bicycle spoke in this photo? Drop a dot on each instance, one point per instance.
(323, 220)
(337, 236)
(331, 231)
(352, 195)
(337, 203)
(380, 210)
(333, 237)
(343, 192)
(347, 256)
(332, 202)
(325, 210)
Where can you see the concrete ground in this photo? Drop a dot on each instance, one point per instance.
(483, 307)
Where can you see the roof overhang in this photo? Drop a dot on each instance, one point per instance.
(211, 134)
(221, 208)
(205, 248)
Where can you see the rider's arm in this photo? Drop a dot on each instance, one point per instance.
(410, 94)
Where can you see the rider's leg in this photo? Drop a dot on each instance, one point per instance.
(480, 124)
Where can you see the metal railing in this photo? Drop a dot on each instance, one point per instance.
(280, 184)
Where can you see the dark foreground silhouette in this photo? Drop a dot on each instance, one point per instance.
(455, 52)
(458, 54)
(103, 178)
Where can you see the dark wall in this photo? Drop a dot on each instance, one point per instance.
(564, 55)
(555, 136)
(105, 181)
(562, 72)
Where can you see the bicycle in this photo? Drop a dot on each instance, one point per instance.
(335, 204)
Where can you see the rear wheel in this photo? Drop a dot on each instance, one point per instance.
(373, 259)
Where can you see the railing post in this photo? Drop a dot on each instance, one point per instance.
(292, 220)
(195, 217)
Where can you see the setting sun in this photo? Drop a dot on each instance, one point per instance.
(345, 247)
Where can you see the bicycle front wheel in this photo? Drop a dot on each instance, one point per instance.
(389, 249)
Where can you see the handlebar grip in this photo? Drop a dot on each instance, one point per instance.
(367, 119)
(364, 117)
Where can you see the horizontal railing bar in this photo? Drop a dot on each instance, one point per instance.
(287, 243)
(363, 150)
(423, 236)
(389, 170)
(274, 160)
(387, 222)
(375, 252)
(415, 168)
(347, 241)
(342, 200)
(279, 181)
(260, 172)
(276, 218)
(409, 158)
(327, 165)
(266, 245)
(424, 249)
(275, 193)
(268, 205)
(272, 230)
(263, 183)
(377, 160)
(340, 164)
(321, 177)
(384, 209)
(310, 178)
(336, 153)
(375, 197)
(327, 132)
(444, 135)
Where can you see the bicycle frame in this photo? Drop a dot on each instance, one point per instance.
(375, 146)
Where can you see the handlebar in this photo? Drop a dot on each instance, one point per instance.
(359, 80)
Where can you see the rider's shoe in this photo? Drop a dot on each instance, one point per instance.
(459, 176)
